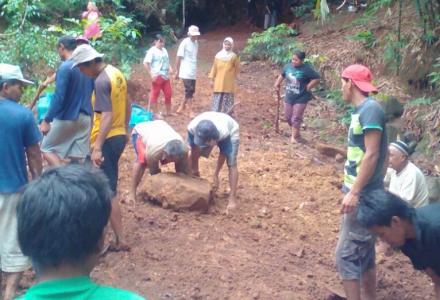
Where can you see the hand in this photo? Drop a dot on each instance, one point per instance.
(96, 157)
(350, 202)
(44, 127)
(154, 78)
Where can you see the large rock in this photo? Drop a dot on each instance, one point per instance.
(178, 191)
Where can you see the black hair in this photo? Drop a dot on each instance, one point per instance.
(62, 214)
(300, 54)
(158, 37)
(8, 82)
(69, 42)
(175, 148)
(378, 207)
(96, 60)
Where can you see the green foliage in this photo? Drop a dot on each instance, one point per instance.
(366, 37)
(391, 52)
(420, 101)
(344, 109)
(434, 77)
(275, 44)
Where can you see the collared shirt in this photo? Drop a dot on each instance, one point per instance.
(424, 250)
(188, 52)
(159, 61)
(76, 288)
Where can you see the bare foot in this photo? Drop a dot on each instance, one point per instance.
(232, 205)
(118, 246)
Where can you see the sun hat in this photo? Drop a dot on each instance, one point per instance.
(84, 53)
(205, 131)
(11, 72)
(193, 30)
(361, 76)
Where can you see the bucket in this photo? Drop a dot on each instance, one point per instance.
(139, 115)
(43, 106)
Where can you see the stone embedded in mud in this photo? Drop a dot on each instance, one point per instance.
(178, 191)
(433, 188)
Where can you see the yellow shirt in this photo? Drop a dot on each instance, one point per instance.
(224, 74)
(110, 95)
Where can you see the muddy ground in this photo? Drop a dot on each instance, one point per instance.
(279, 243)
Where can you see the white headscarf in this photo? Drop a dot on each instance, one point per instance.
(224, 54)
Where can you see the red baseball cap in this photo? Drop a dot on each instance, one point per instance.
(361, 76)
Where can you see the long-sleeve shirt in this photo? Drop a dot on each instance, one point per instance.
(73, 93)
(224, 74)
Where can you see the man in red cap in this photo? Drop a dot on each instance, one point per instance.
(363, 172)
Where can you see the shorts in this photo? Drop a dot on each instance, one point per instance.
(228, 148)
(190, 87)
(355, 251)
(12, 259)
(111, 151)
(69, 138)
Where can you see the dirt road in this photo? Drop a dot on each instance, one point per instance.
(278, 244)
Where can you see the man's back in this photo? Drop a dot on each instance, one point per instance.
(19, 131)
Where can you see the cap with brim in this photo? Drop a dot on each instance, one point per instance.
(11, 72)
(361, 77)
(193, 30)
(84, 53)
(205, 131)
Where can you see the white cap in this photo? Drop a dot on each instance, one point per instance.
(84, 53)
(8, 72)
(193, 30)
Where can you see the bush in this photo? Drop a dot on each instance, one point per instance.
(344, 110)
(366, 37)
(275, 44)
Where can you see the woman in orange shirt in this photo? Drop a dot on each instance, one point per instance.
(224, 72)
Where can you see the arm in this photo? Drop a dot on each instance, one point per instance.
(50, 79)
(35, 162)
(178, 62)
(213, 72)
(278, 82)
(148, 67)
(366, 170)
(127, 118)
(62, 83)
(312, 84)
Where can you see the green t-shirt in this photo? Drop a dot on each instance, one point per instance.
(76, 288)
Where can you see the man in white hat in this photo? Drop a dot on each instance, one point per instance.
(110, 124)
(186, 66)
(18, 143)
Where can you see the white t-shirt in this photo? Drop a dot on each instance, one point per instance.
(159, 61)
(188, 65)
(155, 135)
(224, 123)
(410, 185)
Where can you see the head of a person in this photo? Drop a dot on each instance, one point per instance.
(159, 41)
(193, 32)
(88, 60)
(298, 58)
(228, 44)
(386, 215)
(356, 81)
(61, 218)
(206, 134)
(65, 46)
(82, 40)
(399, 153)
(12, 82)
(91, 6)
(174, 151)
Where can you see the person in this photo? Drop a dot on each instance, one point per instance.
(415, 231)
(158, 66)
(272, 10)
(19, 143)
(67, 123)
(92, 30)
(214, 128)
(364, 171)
(156, 143)
(224, 72)
(61, 226)
(186, 67)
(406, 179)
(110, 125)
(300, 79)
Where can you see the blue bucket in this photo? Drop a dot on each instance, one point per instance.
(43, 105)
(139, 115)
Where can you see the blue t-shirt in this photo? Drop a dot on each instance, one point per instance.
(19, 131)
(73, 94)
(297, 79)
